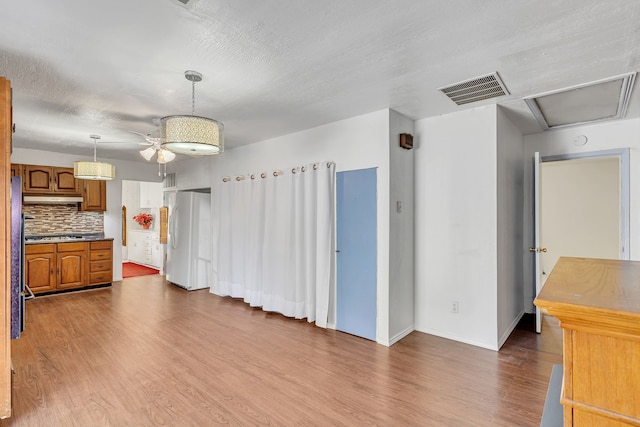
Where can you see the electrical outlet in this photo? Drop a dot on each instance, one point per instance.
(453, 307)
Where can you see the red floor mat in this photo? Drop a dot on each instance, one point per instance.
(130, 269)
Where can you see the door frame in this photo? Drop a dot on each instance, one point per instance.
(623, 156)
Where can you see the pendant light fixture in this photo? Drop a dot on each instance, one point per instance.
(94, 170)
(192, 135)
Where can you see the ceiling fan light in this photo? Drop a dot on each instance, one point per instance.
(165, 156)
(148, 153)
(192, 135)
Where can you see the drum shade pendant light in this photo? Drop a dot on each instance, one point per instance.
(94, 170)
(192, 135)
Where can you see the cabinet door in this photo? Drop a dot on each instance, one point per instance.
(39, 272)
(94, 195)
(38, 179)
(151, 194)
(64, 181)
(136, 247)
(71, 269)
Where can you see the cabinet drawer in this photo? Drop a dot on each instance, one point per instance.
(99, 266)
(72, 247)
(100, 277)
(40, 249)
(102, 244)
(100, 255)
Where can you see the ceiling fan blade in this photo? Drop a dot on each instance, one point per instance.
(148, 137)
(148, 153)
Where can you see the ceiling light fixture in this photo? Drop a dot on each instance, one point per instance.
(94, 170)
(192, 135)
(164, 156)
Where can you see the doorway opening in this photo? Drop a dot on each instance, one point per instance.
(142, 252)
(582, 210)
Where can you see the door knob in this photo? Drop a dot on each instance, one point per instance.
(538, 250)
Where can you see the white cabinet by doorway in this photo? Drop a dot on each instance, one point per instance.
(145, 248)
(151, 194)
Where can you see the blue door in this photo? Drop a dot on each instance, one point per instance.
(356, 258)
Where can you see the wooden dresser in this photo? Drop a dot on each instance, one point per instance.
(598, 304)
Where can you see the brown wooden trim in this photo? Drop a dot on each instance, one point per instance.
(5, 251)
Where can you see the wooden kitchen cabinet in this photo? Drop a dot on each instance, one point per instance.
(40, 267)
(71, 261)
(94, 195)
(53, 267)
(49, 179)
(100, 262)
(16, 169)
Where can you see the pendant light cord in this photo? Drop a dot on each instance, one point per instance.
(95, 146)
(193, 98)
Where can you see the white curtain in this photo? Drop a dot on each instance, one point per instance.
(275, 247)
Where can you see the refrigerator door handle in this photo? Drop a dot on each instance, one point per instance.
(173, 237)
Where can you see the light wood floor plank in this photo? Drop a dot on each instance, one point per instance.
(145, 353)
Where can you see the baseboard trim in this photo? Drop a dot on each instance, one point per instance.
(458, 339)
(399, 336)
(510, 329)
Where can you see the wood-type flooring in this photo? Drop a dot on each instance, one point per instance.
(147, 353)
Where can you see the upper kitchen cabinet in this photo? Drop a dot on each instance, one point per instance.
(16, 170)
(151, 195)
(49, 179)
(94, 195)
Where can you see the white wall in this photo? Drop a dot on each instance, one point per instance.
(401, 230)
(511, 247)
(456, 226)
(356, 143)
(112, 217)
(603, 136)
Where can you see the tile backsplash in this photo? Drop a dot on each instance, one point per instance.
(56, 219)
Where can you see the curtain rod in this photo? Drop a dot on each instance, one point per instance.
(275, 173)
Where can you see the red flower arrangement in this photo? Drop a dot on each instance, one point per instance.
(144, 219)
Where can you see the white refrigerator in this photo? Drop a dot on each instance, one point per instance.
(189, 240)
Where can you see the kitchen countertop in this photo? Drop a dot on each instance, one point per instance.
(32, 239)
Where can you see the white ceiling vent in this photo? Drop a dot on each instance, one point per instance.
(476, 89)
(605, 99)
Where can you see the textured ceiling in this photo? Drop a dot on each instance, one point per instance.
(270, 68)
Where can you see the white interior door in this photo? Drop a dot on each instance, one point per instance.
(580, 210)
(536, 245)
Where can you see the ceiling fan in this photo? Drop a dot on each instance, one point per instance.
(164, 156)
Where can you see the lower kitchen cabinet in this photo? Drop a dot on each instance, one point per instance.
(100, 262)
(72, 265)
(55, 267)
(40, 267)
(145, 248)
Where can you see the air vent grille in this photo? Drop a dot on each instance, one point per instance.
(169, 181)
(476, 89)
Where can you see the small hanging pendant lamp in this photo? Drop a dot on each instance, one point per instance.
(94, 170)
